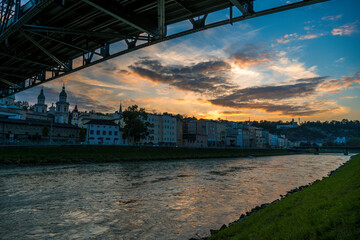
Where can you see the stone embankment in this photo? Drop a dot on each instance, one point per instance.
(258, 208)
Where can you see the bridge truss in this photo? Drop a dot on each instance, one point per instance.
(42, 40)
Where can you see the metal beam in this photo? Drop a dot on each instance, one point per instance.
(46, 29)
(243, 6)
(30, 82)
(9, 83)
(23, 59)
(161, 18)
(118, 17)
(43, 49)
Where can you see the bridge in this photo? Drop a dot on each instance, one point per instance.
(41, 40)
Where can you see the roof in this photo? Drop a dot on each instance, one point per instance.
(101, 122)
(35, 122)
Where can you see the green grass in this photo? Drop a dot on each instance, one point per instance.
(329, 209)
(73, 154)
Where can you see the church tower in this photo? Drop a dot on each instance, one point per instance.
(75, 116)
(62, 108)
(41, 107)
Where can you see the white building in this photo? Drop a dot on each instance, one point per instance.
(340, 140)
(41, 107)
(8, 109)
(162, 130)
(104, 132)
(62, 108)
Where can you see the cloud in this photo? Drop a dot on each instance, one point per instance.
(311, 36)
(294, 36)
(272, 98)
(337, 85)
(331, 18)
(342, 59)
(250, 55)
(203, 77)
(231, 113)
(347, 29)
(348, 97)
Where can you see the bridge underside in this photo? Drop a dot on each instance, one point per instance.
(46, 39)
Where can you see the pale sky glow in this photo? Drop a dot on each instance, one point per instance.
(299, 63)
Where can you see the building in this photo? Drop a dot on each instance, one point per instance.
(194, 133)
(260, 140)
(62, 108)
(162, 130)
(340, 140)
(41, 107)
(210, 132)
(37, 131)
(221, 133)
(75, 116)
(179, 132)
(104, 132)
(8, 109)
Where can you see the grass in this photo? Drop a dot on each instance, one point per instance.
(329, 209)
(73, 154)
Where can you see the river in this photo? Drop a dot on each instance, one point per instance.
(146, 200)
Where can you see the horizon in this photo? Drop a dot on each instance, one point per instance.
(263, 68)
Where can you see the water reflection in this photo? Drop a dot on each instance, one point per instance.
(146, 200)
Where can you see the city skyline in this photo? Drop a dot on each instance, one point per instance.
(263, 68)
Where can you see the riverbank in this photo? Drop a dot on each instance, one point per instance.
(79, 154)
(328, 209)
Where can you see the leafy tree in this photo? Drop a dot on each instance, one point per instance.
(23, 104)
(45, 131)
(136, 126)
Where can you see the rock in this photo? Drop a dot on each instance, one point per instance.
(223, 227)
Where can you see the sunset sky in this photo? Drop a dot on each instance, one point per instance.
(302, 63)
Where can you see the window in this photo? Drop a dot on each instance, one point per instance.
(110, 133)
(91, 131)
(107, 138)
(97, 132)
(115, 133)
(64, 109)
(104, 132)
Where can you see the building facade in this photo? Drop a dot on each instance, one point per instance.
(104, 132)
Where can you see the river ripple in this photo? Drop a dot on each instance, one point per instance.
(146, 200)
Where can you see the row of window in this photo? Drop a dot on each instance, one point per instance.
(103, 132)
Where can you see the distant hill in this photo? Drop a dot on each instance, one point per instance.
(315, 131)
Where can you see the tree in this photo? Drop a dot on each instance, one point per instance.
(45, 131)
(136, 126)
(23, 104)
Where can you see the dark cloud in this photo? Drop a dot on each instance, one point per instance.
(283, 109)
(250, 55)
(205, 77)
(301, 88)
(259, 97)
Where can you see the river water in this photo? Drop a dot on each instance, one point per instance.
(146, 200)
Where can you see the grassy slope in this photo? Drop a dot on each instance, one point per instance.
(112, 154)
(329, 209)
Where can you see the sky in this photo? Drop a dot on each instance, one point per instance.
(301, 63)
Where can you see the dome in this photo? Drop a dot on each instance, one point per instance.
(41, 95)
(63, 93)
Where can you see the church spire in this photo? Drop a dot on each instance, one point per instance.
(120, 109)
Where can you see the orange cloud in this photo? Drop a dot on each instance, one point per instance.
(347, 29)
(348, 97)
